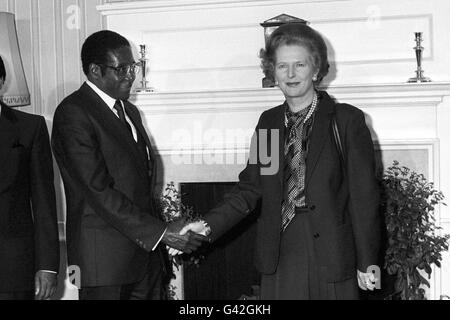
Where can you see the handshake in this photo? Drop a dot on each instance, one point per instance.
(182, 237)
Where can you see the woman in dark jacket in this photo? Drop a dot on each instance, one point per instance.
(318, 232)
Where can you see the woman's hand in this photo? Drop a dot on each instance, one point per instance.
(366, 280)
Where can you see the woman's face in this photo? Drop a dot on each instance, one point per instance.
(294, 71)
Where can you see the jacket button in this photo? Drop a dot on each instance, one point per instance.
(313, 207)
(316, 236)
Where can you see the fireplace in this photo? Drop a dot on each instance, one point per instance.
(226, 268)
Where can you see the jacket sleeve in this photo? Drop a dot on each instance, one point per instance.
(242, 200)
(43, 201)
(77, 151)
(364, 192)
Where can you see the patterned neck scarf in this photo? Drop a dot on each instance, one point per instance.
(295, 150)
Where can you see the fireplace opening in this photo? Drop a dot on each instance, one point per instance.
(226, 271)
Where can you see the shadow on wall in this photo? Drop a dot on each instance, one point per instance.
(65, 290)
(332, 72)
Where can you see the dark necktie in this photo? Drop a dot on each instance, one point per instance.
(142, 146)
(119, 108)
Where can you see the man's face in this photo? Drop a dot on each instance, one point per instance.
(112, 83)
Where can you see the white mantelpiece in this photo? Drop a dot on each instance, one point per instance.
(401, 104)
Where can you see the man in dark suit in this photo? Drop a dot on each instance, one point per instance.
(114, 233)
(29, 243)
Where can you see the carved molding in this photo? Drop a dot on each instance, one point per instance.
(244, 100)
(178, 5)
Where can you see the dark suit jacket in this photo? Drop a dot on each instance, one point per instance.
(112, 224)
(343, 208)
(28, 222)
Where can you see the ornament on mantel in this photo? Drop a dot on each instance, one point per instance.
(143, 62)
(419, 72)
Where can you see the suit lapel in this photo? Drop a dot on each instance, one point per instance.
(139, 127)
(9, 140)
(9, 132)
(98, 108)
(280, 125)
(275, 121)
(319, 134)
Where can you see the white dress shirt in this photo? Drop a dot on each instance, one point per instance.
(110, 102)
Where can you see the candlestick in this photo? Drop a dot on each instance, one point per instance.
(419, 50)
(143, 61)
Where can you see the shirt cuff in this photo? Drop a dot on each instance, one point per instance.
(159, 239)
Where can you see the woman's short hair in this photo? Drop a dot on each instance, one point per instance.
(295, 33)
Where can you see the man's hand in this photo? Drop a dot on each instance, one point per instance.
(44, 285)
(199, 227)
(187, 242)
(366, 280)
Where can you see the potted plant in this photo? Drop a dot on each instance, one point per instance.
(413, 240)
(172, 209)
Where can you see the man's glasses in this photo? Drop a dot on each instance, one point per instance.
(123, 71)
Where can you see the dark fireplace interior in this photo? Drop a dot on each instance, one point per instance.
(226, 269)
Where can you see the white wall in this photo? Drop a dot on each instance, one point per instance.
(210, 44)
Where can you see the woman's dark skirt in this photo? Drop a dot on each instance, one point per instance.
(298, 275)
